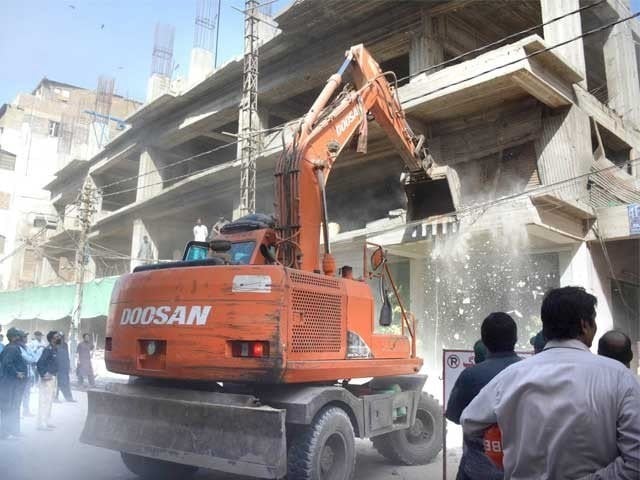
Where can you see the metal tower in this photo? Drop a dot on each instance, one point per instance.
(249, 110)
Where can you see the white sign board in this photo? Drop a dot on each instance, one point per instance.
(453, 363)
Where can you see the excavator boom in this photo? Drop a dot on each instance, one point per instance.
(327, 128)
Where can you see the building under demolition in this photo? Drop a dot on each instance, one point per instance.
(531, 108)
(54, 129)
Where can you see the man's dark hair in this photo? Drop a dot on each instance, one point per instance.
(563, 309)
(50, 335)
(616, 345)
(499, 332)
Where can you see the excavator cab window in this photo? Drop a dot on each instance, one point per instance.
(241, 252)
(196, 251)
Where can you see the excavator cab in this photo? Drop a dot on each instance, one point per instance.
(250, 240)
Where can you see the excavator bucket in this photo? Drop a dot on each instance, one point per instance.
(230, 433)
(428, 197)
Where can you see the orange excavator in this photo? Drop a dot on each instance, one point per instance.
(244, 356)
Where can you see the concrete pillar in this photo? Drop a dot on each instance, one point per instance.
(156, 86)
(634, 155)
(417, 268)
(150, 178)
(569, 27)
(138, 251)
(267, 28)
(577, 268)
(200, 65)
(237, 211)
(621, 66)
(426, 44)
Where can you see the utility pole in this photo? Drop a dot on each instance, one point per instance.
(249, 110)
(86, 209)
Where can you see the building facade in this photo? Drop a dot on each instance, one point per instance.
(51, 129)
(531, 109)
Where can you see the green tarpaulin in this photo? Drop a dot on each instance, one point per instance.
(56, 301)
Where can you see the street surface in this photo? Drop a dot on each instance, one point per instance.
(58, 455)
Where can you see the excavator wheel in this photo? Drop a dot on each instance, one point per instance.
(153, 469)
(325, 450)
(419, 444)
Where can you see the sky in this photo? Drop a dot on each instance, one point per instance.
(75, 41)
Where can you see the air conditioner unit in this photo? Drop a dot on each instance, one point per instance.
(49, 223)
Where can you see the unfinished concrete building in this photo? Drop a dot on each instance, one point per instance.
(536, 132)
(54, 128)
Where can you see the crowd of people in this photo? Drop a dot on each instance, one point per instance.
(37, 363)
(563, 413)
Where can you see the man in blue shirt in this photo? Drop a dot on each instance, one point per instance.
(499, 335)
(12, 382)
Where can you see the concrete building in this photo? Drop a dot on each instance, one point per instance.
(536, 139)
(43, 132)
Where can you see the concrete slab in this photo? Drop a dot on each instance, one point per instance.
(504, 73)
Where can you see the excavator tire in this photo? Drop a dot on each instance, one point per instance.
(153, 469)
(419, 444)
(325, 450)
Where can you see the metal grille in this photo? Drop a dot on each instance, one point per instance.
(314, 279)
(319, 328)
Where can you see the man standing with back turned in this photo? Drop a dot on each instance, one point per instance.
(499, 335)
(564, 413)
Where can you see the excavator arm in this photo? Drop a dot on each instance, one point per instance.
(328, 127)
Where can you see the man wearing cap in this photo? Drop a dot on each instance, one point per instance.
(12, 383)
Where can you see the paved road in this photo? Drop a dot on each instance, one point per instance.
(58, 455)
